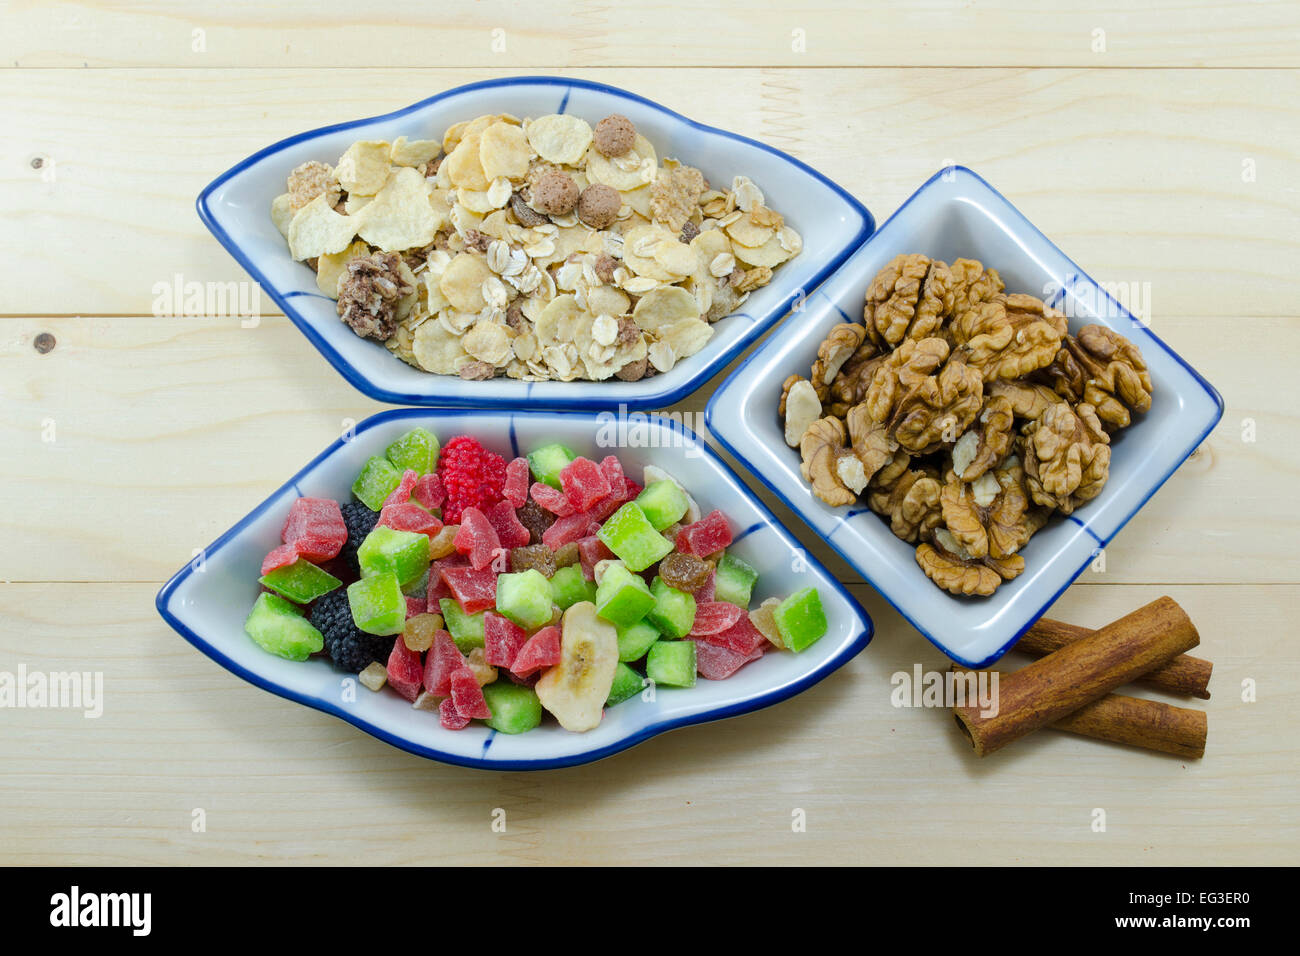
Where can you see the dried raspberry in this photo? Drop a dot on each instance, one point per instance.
(471, 476)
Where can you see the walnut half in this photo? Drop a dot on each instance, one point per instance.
(944, 563)
(1067, 457)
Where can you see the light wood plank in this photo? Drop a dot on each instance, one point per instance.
(497, 33)
(166, 431)
(1137, 174)
(879, 784)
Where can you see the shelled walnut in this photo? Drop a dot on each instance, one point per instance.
(965, 416)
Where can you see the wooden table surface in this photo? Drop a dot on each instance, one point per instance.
(1155, 142)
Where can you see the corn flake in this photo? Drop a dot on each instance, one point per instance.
(663, 306)
(317, 230)
(462, 282)
(559, 138)
(504, 152)
(413, 152)
(331, 266)
(282, 212)
(363, 169)
(400, 217)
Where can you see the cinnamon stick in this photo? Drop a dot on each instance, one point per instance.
(1079, 673)
(1132, 720)
(1182, 675)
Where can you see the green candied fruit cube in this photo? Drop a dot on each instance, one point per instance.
(376, 482)
(389, 551)
(663, 502)
(465, 629)
(734, 580)
(515, 708)
(635, 639)
(800, 619)
(671, 663)
(525, 598)
(417, 450)
(631, 536)
(627, 684)
(378, 604)
(278, 628)
(622, 597)
(569, 587)
(547, 462)
(673, 612)
(301, 582)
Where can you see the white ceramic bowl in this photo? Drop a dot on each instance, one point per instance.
(236, 208)
(208, 599)
(955, 214)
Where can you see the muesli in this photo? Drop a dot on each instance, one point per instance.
(542, 249)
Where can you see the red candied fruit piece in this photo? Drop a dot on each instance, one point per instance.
(618, 495)
(502, 639)
(516, 485)
(281, 557)
(474, 589)
(408, 516)
(719, 663)
(443, 659)
(405, 672)
(402, 493)
(612, 469)
(428, 491)
(539, 651)
(742, 637)
(415, 605)
(438, 588)
(552, 499)
(510, 530)
(707, 591)
(590, 551)
(568, 529)
(448, 716)
(707, 536)
(467, 695)
(583, 483)
(471, 476)
(315, 528)
(476, 538)
(714, 617)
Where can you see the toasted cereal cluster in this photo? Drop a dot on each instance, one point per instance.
(963, 415)
(542, 249)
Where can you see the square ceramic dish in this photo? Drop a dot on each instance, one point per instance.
(236, 208)
(208, 599)
(955, 214)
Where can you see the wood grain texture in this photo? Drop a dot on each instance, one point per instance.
(878, 783)
(1138, 175)
(497, 33)
(1168, 160)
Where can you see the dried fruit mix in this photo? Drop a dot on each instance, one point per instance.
(559, 573)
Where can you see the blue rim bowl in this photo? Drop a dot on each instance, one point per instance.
(235, 207)
(957, 214)
(207, 600)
